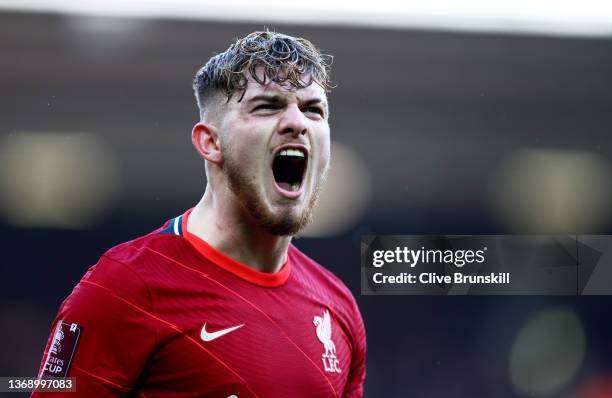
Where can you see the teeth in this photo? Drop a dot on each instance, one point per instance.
(291, 152)
(295, 186)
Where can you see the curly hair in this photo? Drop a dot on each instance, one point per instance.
(284, 60)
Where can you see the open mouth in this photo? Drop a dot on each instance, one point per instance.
(288, 168)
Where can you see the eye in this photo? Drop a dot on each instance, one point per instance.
(315, 109)
(266, 106)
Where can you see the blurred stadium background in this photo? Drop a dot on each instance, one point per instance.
(465, 118)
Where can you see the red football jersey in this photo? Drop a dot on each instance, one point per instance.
(169, 315)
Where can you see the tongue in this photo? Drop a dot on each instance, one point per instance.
(285, 185)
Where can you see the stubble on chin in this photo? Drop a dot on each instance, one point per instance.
(248, 193)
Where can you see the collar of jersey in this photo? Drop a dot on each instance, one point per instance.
(229, 264)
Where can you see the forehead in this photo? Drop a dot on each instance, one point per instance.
(286, 91)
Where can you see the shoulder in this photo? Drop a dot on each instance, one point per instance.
(324, 281)
(138, 254)
(125, 268)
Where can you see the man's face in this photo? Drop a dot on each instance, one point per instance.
(276, 148)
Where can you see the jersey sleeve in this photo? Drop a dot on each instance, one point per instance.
(357, 372)
(103, 333)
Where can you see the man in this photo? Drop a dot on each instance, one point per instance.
(217, 302)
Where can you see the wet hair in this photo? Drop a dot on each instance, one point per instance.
(283, 59)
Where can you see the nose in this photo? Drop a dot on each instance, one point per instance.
(293, 121)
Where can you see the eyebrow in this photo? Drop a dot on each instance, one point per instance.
(266, 97)
(275, 98)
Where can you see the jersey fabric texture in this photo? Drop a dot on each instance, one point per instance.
(169, 315)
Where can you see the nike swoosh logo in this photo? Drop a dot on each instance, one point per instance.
(208, 336)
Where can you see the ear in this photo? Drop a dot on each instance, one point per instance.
(206, 141)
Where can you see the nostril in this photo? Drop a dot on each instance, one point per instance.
(294, 131)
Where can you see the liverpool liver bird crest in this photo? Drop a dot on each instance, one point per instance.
(324, 333)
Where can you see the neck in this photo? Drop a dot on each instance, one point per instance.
(223, 225)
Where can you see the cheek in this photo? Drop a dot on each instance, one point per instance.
(242, 148)
(324, 145)
(243, 156)
(325, 158)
